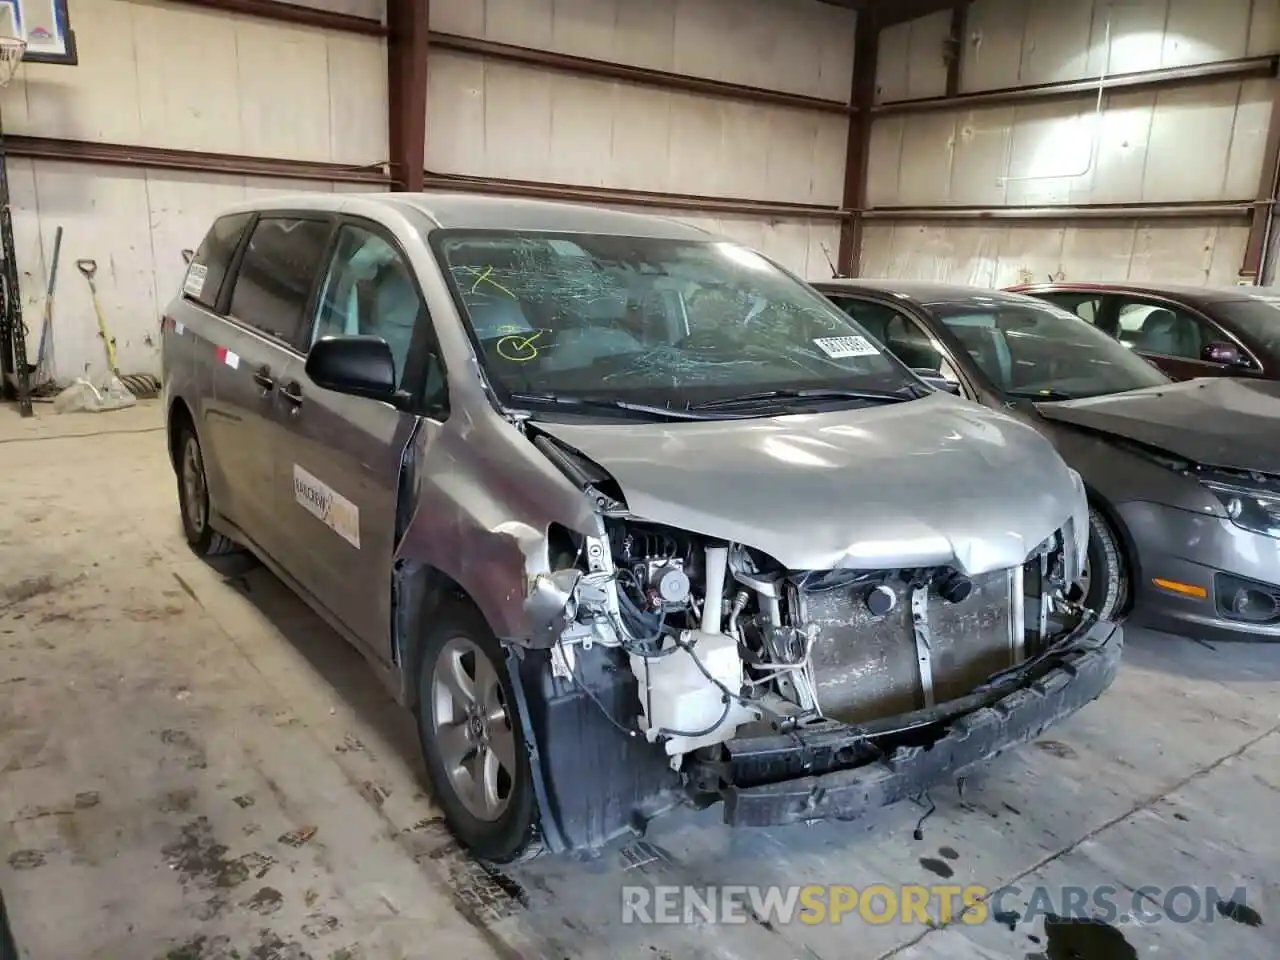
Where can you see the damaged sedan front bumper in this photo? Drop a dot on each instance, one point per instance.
(833, 771)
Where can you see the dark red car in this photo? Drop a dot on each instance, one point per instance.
(1187, 332)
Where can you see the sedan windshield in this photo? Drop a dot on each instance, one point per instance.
(1034, 349)
(1259, 317)
(655, 321)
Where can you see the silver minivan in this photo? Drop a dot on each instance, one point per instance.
(627, 514)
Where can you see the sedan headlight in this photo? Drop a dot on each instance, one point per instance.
(1254, 510)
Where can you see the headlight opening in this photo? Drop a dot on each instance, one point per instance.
(1257, 511)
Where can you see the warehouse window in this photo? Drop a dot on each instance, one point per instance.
(277, 273)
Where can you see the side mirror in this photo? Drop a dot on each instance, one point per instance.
(1227, 354)
(934, 379)
(357, 366)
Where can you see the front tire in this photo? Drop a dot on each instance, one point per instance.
(472, 739)
(1104, 589)
(193, 499)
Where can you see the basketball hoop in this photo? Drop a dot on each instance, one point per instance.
(12, 49)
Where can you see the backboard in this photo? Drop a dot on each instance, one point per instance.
(45, 26)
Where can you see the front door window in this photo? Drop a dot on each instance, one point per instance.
(369, 291)
(1164, 330)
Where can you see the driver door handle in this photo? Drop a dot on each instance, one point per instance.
(262, 377)
(292, 392)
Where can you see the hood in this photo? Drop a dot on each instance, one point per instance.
(1215, 422)
(937, 481)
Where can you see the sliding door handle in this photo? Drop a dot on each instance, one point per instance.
(292, 394)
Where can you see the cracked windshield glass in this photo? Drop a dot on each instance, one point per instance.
(654, 321)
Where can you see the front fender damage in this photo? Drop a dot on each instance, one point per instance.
(550, 605)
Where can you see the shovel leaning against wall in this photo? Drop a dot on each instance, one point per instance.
(90, 269)
(83, 396)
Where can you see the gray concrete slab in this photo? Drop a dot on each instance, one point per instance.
(193, 767)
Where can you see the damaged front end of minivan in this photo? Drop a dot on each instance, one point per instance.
(667, 666)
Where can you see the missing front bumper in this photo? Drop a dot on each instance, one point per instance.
(842, 772)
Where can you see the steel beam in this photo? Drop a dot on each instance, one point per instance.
(1190, 210)
(955, 46)
(407, 58)
(1262, 224)
(862, 97)
(293, 13)
(1163, 79)
(197, 161)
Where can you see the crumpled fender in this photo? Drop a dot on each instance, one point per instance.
(486, 529)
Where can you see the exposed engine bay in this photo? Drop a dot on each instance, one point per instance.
(723, 642)
(895, 648)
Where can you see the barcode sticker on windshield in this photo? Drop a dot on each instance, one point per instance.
(839, 347)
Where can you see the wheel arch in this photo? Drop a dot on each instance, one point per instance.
(179, 415)
(420, 590)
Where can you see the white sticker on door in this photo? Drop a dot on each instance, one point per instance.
(839, 347)
(327, 505)
(196, 273)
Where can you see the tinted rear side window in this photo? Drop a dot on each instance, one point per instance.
(1086, 306)
(276, 275)
(208, 267)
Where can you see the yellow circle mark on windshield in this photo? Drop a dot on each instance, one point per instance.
(518, 349)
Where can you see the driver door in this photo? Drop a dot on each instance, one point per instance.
(341, 472)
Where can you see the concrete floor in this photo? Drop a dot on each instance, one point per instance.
(193, 767)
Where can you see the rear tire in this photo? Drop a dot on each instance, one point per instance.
(1106, 590)
(193, 498)
(472, 738)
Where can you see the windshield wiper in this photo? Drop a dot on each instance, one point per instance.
(604, 403)
(908, 392)
(1041, 395)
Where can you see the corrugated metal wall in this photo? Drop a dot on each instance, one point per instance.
(1202, 142)
(170, 76)
(179, 77)
(524, 123)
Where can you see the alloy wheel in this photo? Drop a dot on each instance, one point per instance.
(472, 729)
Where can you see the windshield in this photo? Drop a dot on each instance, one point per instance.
(1259, 318)
(1031, 348)
(653, 321)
